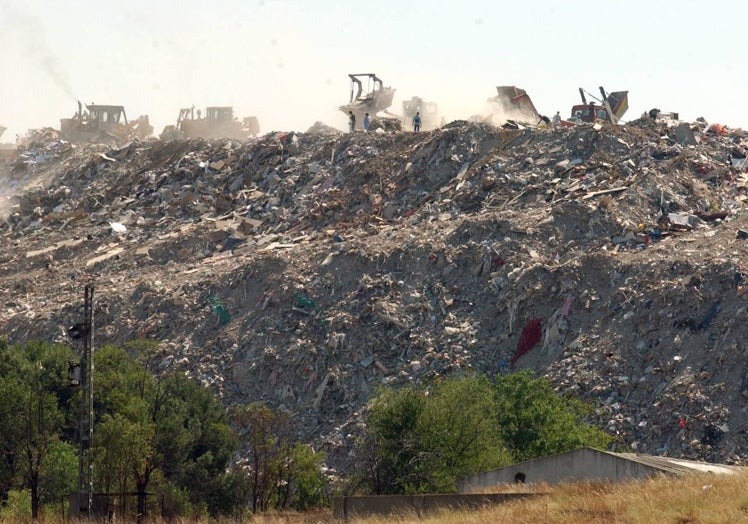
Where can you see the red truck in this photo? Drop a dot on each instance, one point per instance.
(609, 109)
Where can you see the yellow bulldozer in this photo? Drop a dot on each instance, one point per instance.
(218, 122)
(372, 99)
(103, 123)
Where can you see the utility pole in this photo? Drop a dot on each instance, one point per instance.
(85, 330)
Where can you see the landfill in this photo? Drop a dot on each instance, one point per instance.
(306, 270)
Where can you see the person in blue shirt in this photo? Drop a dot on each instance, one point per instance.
(366, 122)
(417, 121)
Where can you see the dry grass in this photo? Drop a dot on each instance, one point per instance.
(695, 499)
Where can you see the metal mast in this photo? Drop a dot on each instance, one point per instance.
(85, 455)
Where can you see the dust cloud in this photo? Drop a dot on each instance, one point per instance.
(8, 197)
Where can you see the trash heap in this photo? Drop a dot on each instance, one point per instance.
(307, 269)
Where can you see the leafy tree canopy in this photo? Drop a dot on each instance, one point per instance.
(423, 438)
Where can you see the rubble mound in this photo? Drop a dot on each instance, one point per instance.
(386, 124)
(306, 269)
(320, 128)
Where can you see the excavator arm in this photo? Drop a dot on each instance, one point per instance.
(357, 82)
(616, 103)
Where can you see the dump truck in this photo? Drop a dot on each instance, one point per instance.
(513, 104)
(372, 99)
(218, 122)
(429, 113)
(610, 108)
(103, 123)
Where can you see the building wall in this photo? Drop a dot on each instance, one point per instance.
(581, 464)
(345, 508)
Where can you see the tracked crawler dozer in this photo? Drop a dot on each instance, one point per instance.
(103, 123)
(372, 99)
(218, 122)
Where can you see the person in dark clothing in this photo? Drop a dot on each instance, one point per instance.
(351, 121)
(417, 121)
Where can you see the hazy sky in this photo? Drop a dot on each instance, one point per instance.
(286, 61)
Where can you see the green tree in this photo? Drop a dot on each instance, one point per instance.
(459, 432)
(535, 421)
(10, 436)
(170, 426)
(170, 429)
(60, 473)
(262, 430)
(122, 444)
(392, 445)
(423, 438)
(279, 474)
(33, 394)
(306, 483)
(194, 441)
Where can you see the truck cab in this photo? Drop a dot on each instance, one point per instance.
(589, 113)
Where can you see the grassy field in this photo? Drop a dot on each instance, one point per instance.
(694, 499)
(702, 498)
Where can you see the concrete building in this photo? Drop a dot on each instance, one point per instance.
(588, 464)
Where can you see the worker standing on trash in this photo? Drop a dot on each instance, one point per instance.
(366, 122)
(351, 121)
(556, 120)
(417, 121)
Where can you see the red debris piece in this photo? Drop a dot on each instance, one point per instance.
(531, 334)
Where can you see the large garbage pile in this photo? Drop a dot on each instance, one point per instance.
(307, 269)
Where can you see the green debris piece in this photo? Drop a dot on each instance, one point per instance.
(220, 310)
(302, 301)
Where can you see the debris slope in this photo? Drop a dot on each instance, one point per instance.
(307, 269)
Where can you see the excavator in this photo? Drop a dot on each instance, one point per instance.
(103, 123)
(372, 100)
(218, 122)
(611, 108)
